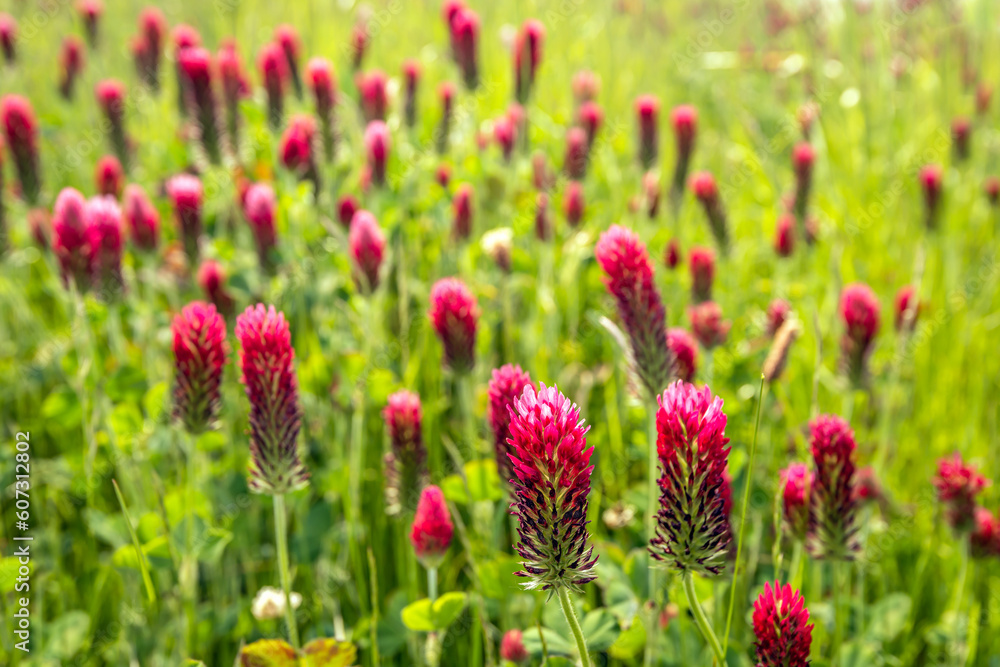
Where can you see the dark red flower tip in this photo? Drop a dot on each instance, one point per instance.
(298, 146)
(288, 39)
(527, 57)
(261, 210)
(590, 117)
(931, 182)
(443, 175)
(586, 86)
(506, 385)
(702, 264)
(985, 536)
(234, 80)
(196, 65)
(185, 37)
(647, 109)
(859, 310)
(796, 480)
(367, 245)
(958, 484)
(268, 374)
(781, 626)
(991, 186)
(907, 308)
(573, 203)
(803, 157)
(543, 223)
(323, 83)
(71, 61)
(464, 30)
(372, 87)
(551, 462)
(692, 531)
(8, 37)
(212, 280)
(504, 133)
(200, 352)
(153, 26)
(461, 211)
(186, 193)
(450, 9)
(512, 647)
(406, 461)
(378, 143)
(777, 312)
(577, 147)
(109, 177)
(142, 217)
(347, 206)
(684, 119)
(432, 529)
(961, 130)
(69, 236)
(707, 324)
(455, 315)
(833, 502)
(784, 235)
(629, 278)
(684, 348)
(672, 254)
(105, 242)
(703, 186)
(90, 12)
(273, 67)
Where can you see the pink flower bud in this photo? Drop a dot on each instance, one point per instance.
(443, 175)
(323, 84)
(590, 117)
(527, 57)
(212, 280)
(184, 37)
(377, 146)
(707, 324)
(796, 480)
(152, 30)
(288, 40)
(780, 621)
(455, 315)
(672, 254)
(105, 242)
(803, 158)
(69, 237)
(90, 12)
(586, 86)
(298, 153)
(777, 313)
(504, 135)
(512, 647)
(573, 203)
(274, 71)
(552, 469)
(374, 98)
(784, 236)
(108, 176)
(111, 97)
(461, 208)
(268, 374)
(707, 192)
(832, 529)
(234, 87)
(261, 210)
(506, 385)
(8, 38)
(543, 223)
(958, 484)
(185, 192)
(411, 80)
(200, 352)
(71, 62)
(961, 129)
(432, 529)
(684, 349)
(359, 45)
(931, 180)
(403, 416)
(575, 162)
(702, 263)
(985, 536)
(347, 206)
(992, 189)
(859, 310)
(367, 244)
(464, 29)
(907, 308)
(647, 108)
(142, 218)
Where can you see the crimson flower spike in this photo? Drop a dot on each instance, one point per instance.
(71, 61)
(406, 461)
(411, 79)
(796, 481)
(707, 324)
(323, 83)
(629, 278)
(684, 119)
(586, 86)
(573, 203)
(455, 315)
(931, 182)
(288, 39)
(234, 87)
(69, 237)
(446, 92)
(590, 117)
(958, 484)
(111, 97)
(961, 129)
(367, 245)
(21, 133)
(647, 109)
(274, 71)
(90, 13)
(461, 208)
(707, 192)
(185, 192)
(784, 235)
(859, 310)
(907, 308)
(464, 30)
(298, 149)
(781, 626)
(142, 218)
(212, 280)
(268, 373)
(432, 529)
(359, 44)
(832, 529)
(575, 161)
(148, 46)
(373, 89)
(196, 64)
(684, 349)
(692, 531)
(184, 37)
(505, 386)
(378, 143)
(3, 218)
(108, 176)
(527, 57)
(702, 264)
(105, 242)
(512, 648)
(8, 38)
(261, 210)
(984, 540)
(991, 187)
(543, 223)
(803, 159)
(200, 352)
(551, 484)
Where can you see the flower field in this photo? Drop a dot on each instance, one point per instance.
(489, 334)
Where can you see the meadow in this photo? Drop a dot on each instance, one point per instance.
(488, 333)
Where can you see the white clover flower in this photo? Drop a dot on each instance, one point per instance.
(270, 603)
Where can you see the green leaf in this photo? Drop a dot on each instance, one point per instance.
(601, 630)
(484, 481)
(268, 653)
(423, 616)
(62, 406)
(889, 616)
(66, 635)
(328, 653)
(498, 577)
(554, 642)
(629, 643)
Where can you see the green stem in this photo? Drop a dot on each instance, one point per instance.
(840, 573)
(743, 518)
(652, 504)
(574, 625)
(189, 565)
(699, 616)
(432, 583)
(281, 540)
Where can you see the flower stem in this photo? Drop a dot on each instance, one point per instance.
(281, 540)
(743, 518)
(699, 616)
(432, 583)
(653, 503)
(574, 625)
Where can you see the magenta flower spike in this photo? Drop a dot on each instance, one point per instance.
(411, 81)
(859, 310)
(832, 529)
(692, 529)
(985, 536)
(573, 203)
(704, 187)
(684, 119)
(212, 280)
(109, 178)
(261, 210)
(803, 159)
(932, 184)
(148, 46)
(196, 65)
(90, 13)
(647, 108)
(784, 235)
(781, 626)
(406, 461)
(141, 217)
(69, 237)
(577, 147)
(268, 373)
(701, 261)
(200, 352)
(684, 349)
(958, 484)
(446, 93)
(552, 471)
(796, 481)
(298, 149)
(288, 39)
(707, 324)
(367, 245)
(464, 29)
(777, 312)
(235, 86)
(274, 71)
(184, 37)
(20, 130)
(111, 98)
(512, 647)
(432, 529)
(373, 89)
(527, 58)
(462, 212)
(454, 314)
(8, 38)
(71, 61)
(105, 243)
(629, 278)
(323, 84)
(185, 192)
(505, 386)
(590, 117)
(907, 308)
(378, 143)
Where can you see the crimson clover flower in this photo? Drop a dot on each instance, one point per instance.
(833, 502)
(200, 352)
(781, 626)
